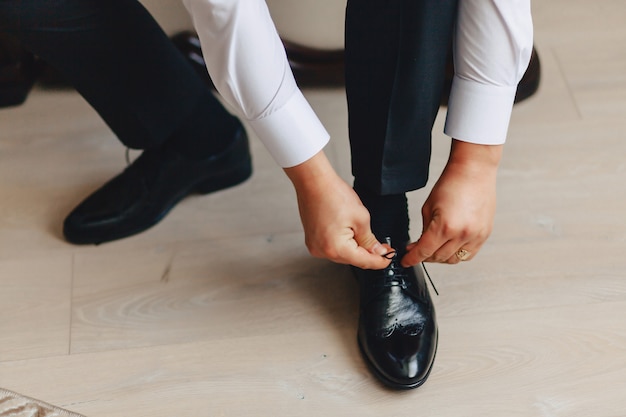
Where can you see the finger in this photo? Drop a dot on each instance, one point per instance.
(417, 255)
(426, 245)
(447, 253)
(423, 249)
(368, 241)
(410, 246)
(362, 258)
(471, 252)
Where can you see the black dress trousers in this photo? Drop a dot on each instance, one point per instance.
(120, 60)
(396, 52)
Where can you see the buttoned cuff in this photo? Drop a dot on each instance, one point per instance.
(479, 113)
(292, 134)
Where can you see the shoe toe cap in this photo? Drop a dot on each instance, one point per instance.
(402, 359)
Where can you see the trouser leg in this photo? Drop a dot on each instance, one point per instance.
(395, 68)
(121, 61)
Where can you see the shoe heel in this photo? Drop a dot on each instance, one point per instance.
(227, 179)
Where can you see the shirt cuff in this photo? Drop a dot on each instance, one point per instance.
(292, 134)
(479, 113)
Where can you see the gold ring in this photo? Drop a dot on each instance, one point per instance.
(463, 254)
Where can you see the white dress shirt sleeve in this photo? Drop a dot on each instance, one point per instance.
(248, 65)
(492, 47)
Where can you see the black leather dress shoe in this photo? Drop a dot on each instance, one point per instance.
(397, 325)
(150, 187)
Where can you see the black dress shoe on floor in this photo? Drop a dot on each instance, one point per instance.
(150, 187)
(397, 325)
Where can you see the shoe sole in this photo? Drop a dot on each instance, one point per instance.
(392, 384)
(14, 94)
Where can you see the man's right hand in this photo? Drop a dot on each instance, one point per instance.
(336, 224)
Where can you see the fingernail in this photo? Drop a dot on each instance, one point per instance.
(379, 249)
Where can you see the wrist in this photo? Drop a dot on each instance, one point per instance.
(313, 174)
(474, 157)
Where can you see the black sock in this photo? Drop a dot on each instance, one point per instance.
(208, 130)
(390, 216)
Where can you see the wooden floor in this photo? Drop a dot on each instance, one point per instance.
(219, 310)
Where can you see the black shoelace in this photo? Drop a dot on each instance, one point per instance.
(394, 273)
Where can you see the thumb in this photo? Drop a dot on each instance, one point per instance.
(368, 241)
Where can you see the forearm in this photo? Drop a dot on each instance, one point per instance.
(248, 65)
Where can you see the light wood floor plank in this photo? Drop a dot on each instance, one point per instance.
(35, 307)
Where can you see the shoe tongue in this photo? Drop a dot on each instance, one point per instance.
(400, 249)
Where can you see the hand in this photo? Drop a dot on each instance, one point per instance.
(459, 212)
(336, 224)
